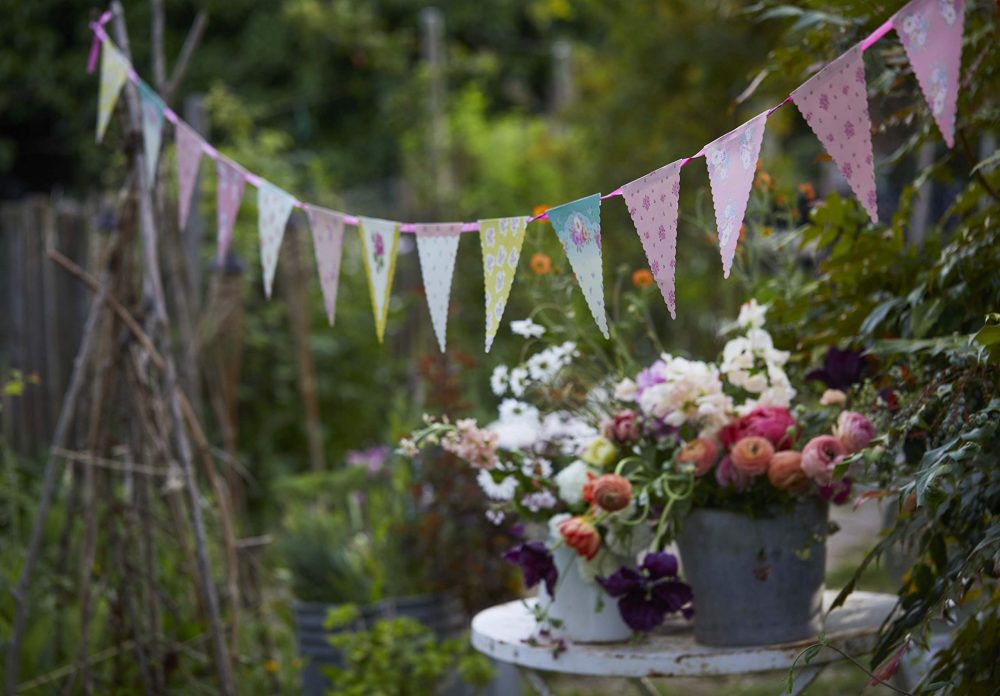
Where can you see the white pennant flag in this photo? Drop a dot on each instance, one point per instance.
(379, 241)
(328, 243)
(273, 208)
(114, 70)
(436, 246)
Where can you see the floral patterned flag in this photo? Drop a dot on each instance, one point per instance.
(379, 240)
(834, 103)
(328, 242)
(931, 32)
(436, 246)
(152, 129)
(188, 157)
(732, 161)
(578, 226)
(652, 203)
(229, 193)
(114, 70)
(501, 240)
(273, 208)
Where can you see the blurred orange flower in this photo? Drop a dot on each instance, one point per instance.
(541, 263)
(539, 209)
(808, 191)
(743, 232)
(642, 278)
(764, 181)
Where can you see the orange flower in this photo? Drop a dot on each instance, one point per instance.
(540, 263)
(785, 471)
(751, 455)
(808, 191)
(539, 210)
(588, 488)
(581, 536)
(764, 181)
(612, 492)
(642, 278)
(743, 232)
(701, 452)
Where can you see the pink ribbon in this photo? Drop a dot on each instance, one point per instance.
(95, 45)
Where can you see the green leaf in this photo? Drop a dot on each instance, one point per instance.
(878, 315)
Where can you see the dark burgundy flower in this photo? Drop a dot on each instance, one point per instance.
(841, 368)
(536, 563)
(837, 492)
(647, 595)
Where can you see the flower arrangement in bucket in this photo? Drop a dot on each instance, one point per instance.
(599, 476)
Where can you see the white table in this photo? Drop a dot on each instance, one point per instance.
(507, 632)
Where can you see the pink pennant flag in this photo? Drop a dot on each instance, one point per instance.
(437, 245)
(188, 158)
(931, 32)
(328, 237)
(652, 203)
(732, 162)
(273, 208)
(834, 103)
(229, 193)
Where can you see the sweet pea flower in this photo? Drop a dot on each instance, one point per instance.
(536, 563)
(612, 492)
(648, 593)
(728, 476)
(751, 455)
(820, 457)
(785, 471)
(626, 390)
(701, 452)
(836, 492)
(854, 431)
(770, 422)
(623, 428)
(581, 536)
(600, 452)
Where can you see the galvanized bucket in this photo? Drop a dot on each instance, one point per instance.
(756, 581)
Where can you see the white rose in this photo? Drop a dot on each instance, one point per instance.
(571, 479)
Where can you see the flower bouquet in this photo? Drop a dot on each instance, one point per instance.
(600, 476)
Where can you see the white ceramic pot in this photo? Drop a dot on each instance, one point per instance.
(581, 610)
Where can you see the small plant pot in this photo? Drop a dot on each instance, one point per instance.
(581, 610)
(756, 581)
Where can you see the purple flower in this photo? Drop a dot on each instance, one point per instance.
(647, 594)
(372, 458)
(651, 376)
(536, 563)
(841, 369)
(836, 492)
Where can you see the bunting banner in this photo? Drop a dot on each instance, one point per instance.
(379, 240)
(834, 103)
(501, 240)
(578, 226)
(229, 194)
(328, 242)
(437, 245)
(114, 71)
(188, 152)
(273, 208)
(652, 203)
(152, 129)
(931, 33)
(732, 162)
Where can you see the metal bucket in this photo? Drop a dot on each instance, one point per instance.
(755, 581)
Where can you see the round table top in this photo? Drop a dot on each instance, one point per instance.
(507, 632)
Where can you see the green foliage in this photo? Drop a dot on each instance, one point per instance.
(399, 657)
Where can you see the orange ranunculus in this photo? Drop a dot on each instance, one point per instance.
(642, 278)
(540, 263)
(588, 489)
(808, 191)
(581, 536)
(612, 492)
(785, 471)
(701, 452)
(751, 455)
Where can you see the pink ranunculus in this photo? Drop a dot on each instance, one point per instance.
(820, 456)
(623, 428)
(701, 452)
(728, 476)
(771, 422)
(854, 431)
(752, 455)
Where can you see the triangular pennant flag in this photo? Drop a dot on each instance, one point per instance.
(652, 203)
(578, 226)
(931, 32)
(379, 241)
(114, 70)
(273, 208)
(732, 161)
(152, 129)
(436, 246)
(501, 240)
(834, 103)
(328, 237)
(229, 193)
(188, 157)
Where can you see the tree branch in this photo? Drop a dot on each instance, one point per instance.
(191, 43)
